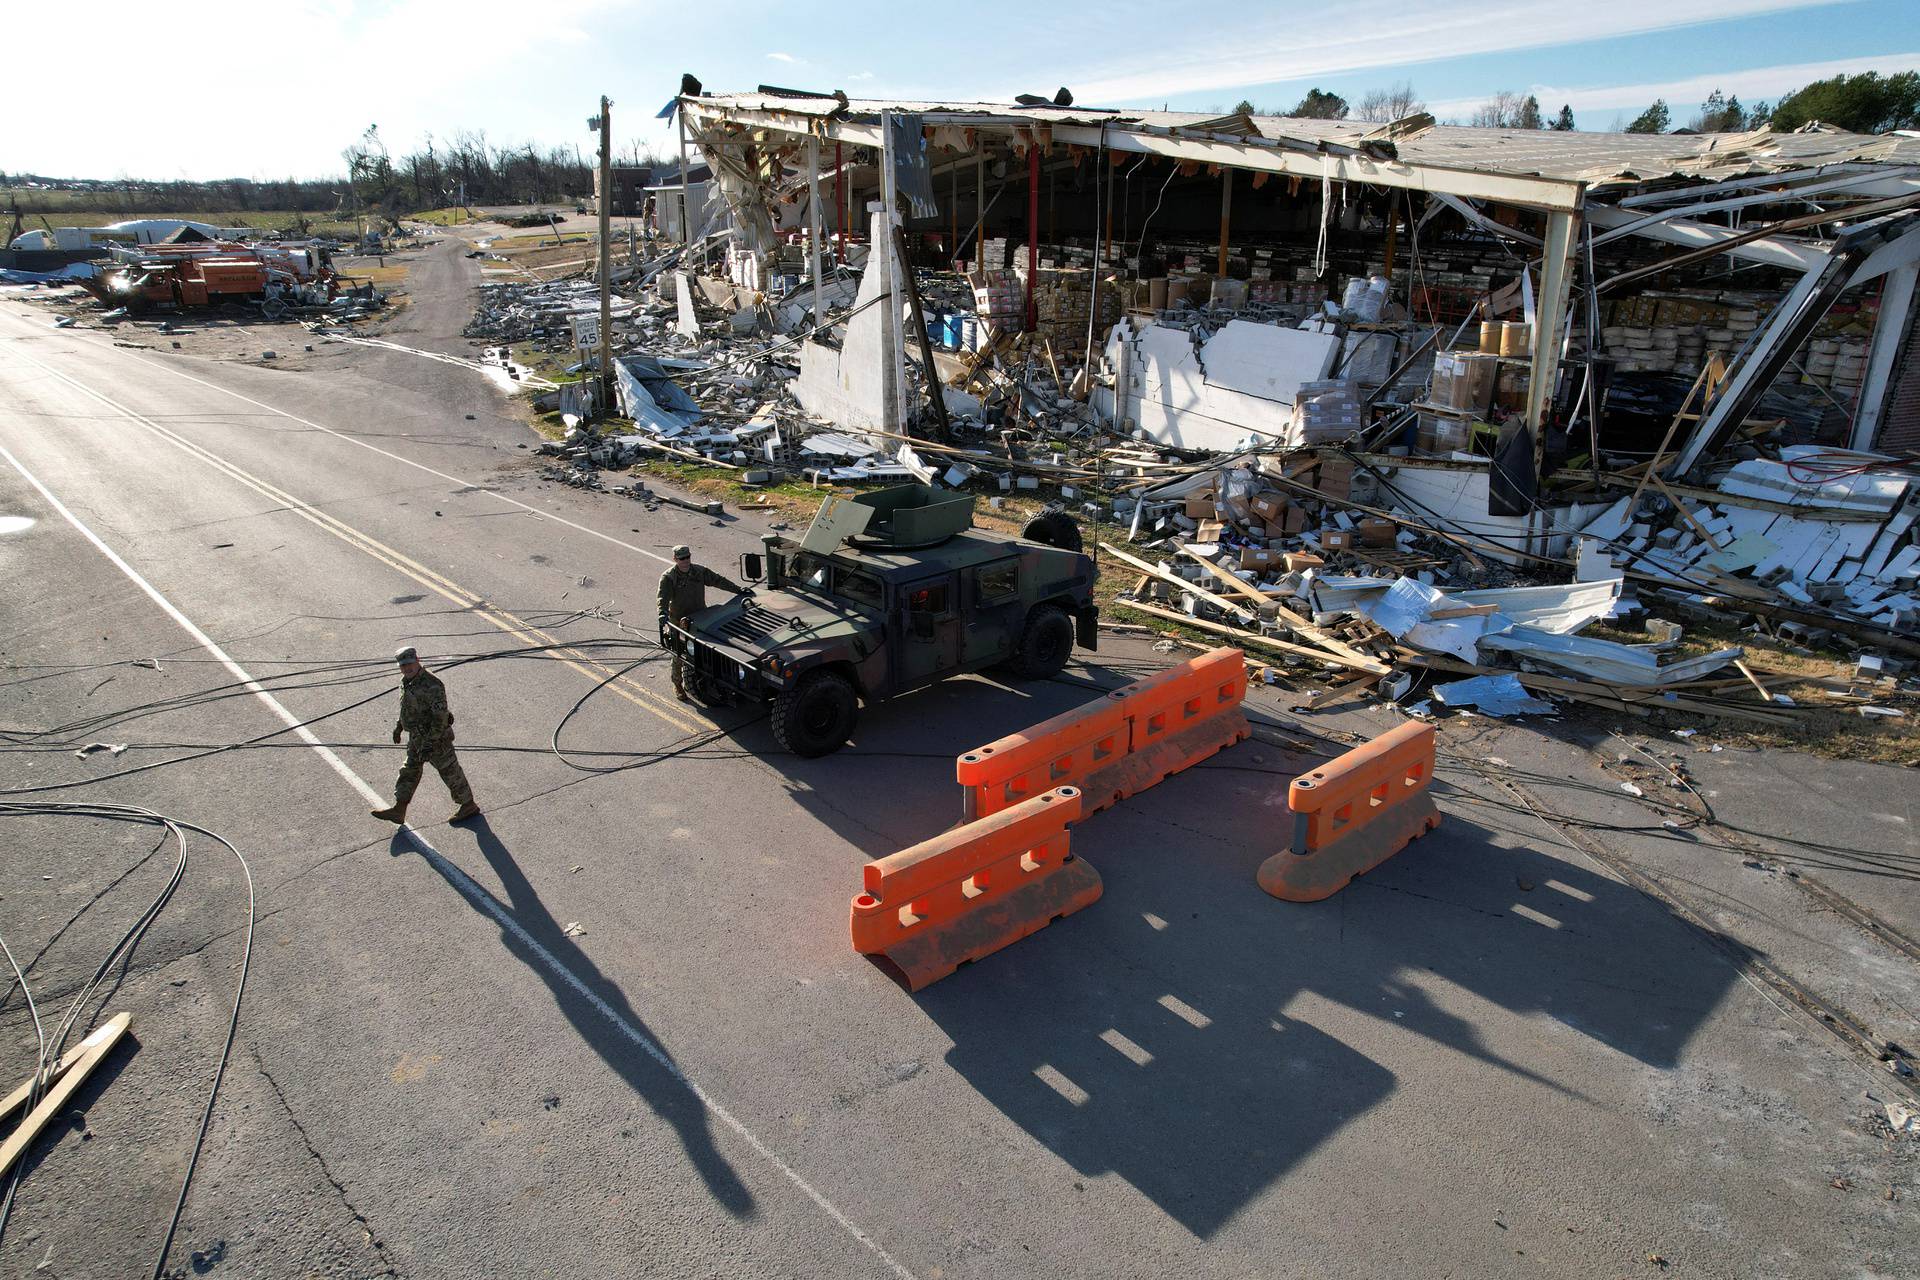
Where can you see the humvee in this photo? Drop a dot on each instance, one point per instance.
(888, 591)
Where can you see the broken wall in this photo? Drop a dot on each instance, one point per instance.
(1232, 391)
(853, 386)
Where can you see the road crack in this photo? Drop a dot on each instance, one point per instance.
(373, 1241)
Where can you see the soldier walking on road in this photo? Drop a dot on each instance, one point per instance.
(428, 724)
(683, 593)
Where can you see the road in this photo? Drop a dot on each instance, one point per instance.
(615, 1028)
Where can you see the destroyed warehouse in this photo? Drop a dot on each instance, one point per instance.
(1363, 396)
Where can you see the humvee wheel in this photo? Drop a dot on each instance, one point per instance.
(816, 716)
(1054, 529)
(1045, 643)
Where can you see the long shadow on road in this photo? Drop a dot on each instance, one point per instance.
(1199, 1039)
(604, 1019)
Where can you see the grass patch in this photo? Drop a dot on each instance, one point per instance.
(69, 212)
(797, 498)
(554, 366)
(383, 278)
(444, 217)
(531, 256)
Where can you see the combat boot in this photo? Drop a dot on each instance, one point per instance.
(465, 811)
(394, 813)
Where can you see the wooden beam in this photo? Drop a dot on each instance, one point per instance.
(1231, 609)
(1766, 694)
(1681, 507)
(1341, 689)
(1255, 638)
(93, 1050)
(1298, 623)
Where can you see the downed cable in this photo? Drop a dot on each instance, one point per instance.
(50, 1048)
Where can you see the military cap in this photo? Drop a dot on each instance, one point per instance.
(406, 655)
(683, 553)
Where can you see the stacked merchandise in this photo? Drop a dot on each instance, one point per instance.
(1328, 410)
(999, 299)
(993, 253)
(1675, 332)
(1062, 298)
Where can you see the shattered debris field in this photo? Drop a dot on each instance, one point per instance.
(1202, 696)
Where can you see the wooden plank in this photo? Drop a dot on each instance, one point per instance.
(1341, 689)
(1255, 638)
(1227, 579)
(94, 1050)
(1685, 514)
(18, 1098)
(1766, 694)
(1660, 454)
(1294, 620)
(1173, 579)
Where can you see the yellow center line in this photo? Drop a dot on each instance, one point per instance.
(682, 718)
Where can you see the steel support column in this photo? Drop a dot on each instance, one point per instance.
(814, 224)
(1033, 229)
(1896, 310)
(1549, 328)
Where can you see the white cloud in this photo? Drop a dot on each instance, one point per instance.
(1386, 33)
(783, 57)
(1753, 84)
(864, 75)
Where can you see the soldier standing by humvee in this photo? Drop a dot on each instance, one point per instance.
(428, 724)
(683, 593)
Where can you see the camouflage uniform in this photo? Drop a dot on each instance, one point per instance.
(683, 593)
(428, 724)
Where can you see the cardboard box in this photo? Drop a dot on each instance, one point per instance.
(1300, 561)
(1375, 532)
(1296, 520)
(1336, 477)
(1339, 539)
(1259, 558)
(1269, 504)
(1200, 506)
(1209, 531)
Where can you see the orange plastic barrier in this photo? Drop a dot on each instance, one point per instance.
(1353, 813)
(1119, 745)
(1071, 748)
(978, 888)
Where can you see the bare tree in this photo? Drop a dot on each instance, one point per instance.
(1508, 110)
(1501, 111)
(1397, 102)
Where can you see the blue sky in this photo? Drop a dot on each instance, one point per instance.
(301, 78)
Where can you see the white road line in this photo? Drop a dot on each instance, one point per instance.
(467, 886)
(365, 543)
(305, 422)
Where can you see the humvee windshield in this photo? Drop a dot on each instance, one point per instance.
(835, 581)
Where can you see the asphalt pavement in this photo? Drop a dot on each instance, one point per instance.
(616, 1028)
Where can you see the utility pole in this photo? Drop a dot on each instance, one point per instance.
(606, 256)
